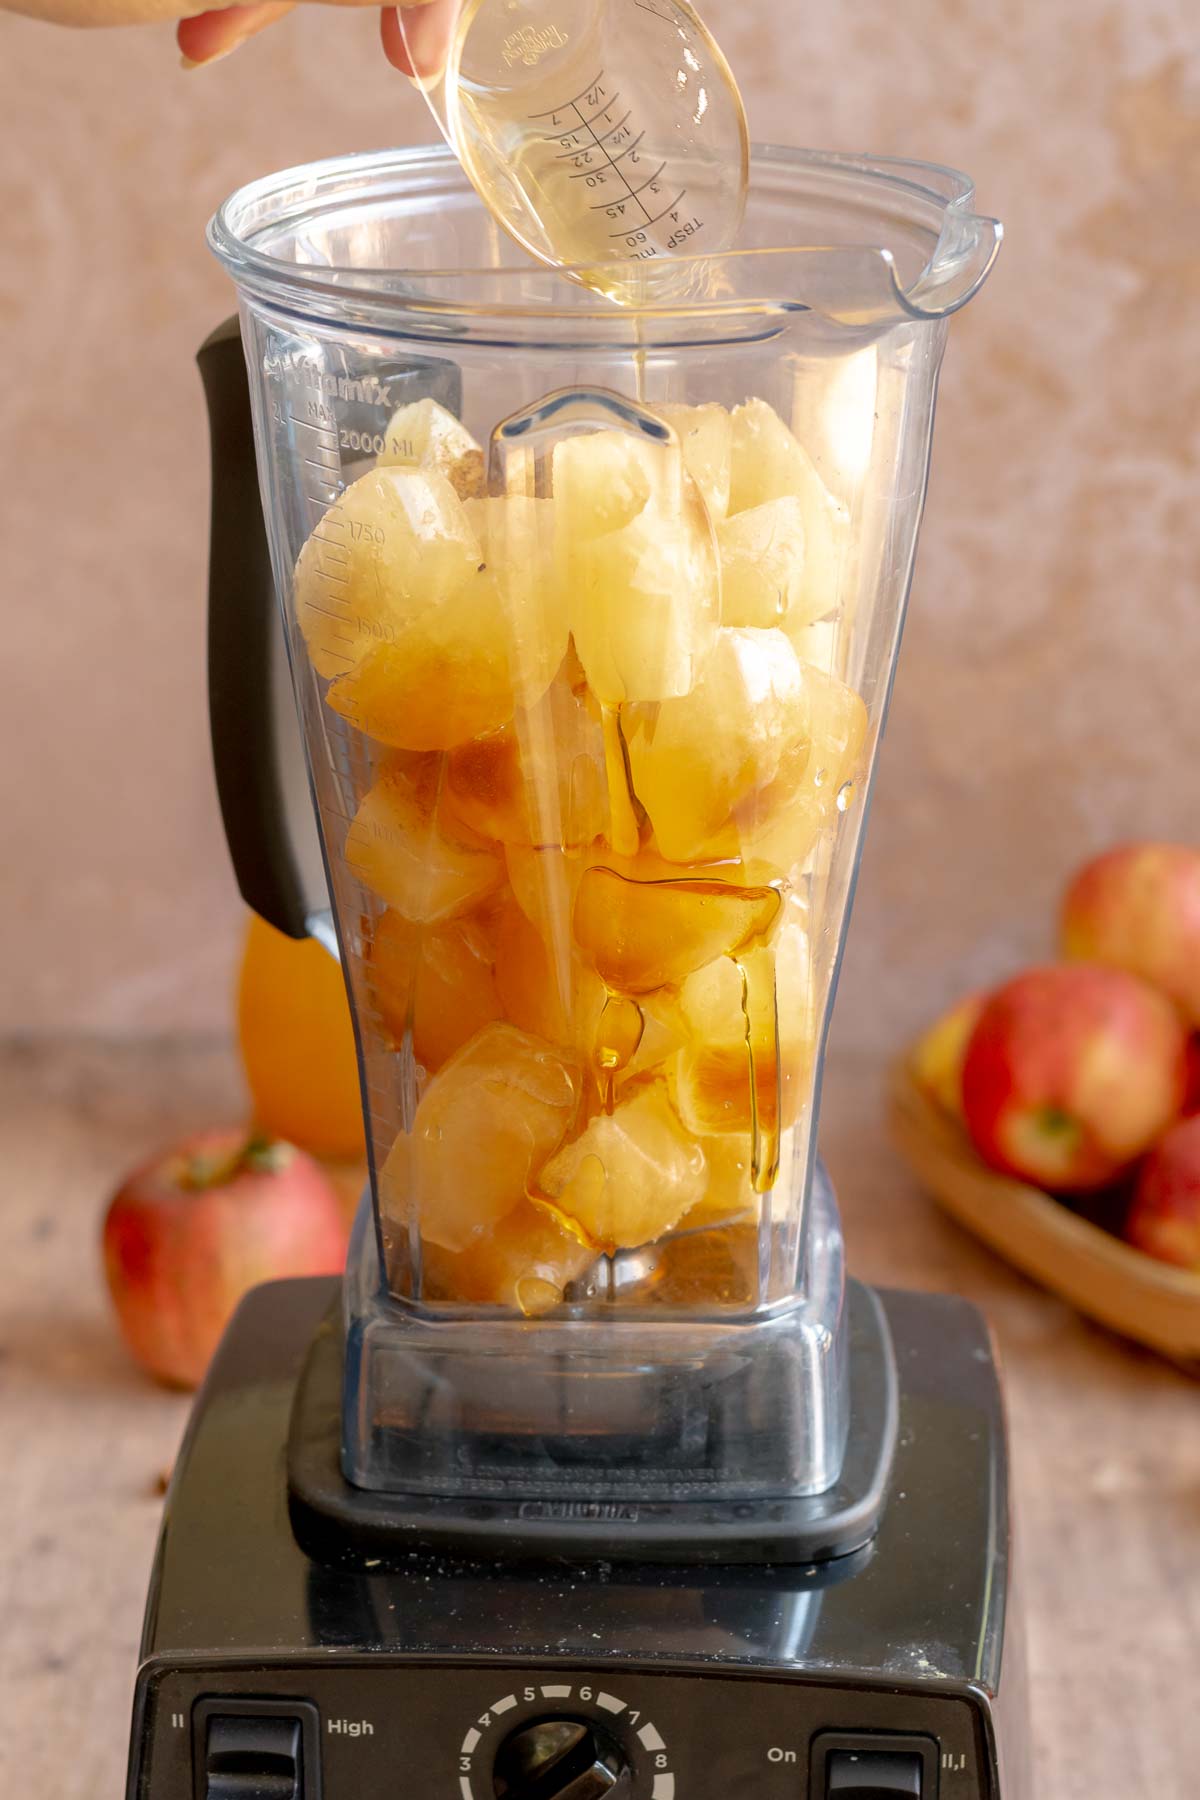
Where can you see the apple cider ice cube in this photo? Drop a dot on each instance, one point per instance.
(525, 1262)
(435, 983)
(553, 998)
(637, 559)
(397, 845)
(433, 618)
(423, 435)
(383, 554)
(762, 562)
(695, 760)
(627, 1178)
(705, 436)
(650, 930)
(751, 1032)
(539, 780)
(782, 822)
(486, 1124)
(602, 480)
(729, 1192)
(770, 464)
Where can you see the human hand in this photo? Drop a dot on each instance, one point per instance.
(204, 36)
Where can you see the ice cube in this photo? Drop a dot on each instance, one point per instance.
(538, 781)
(781, 823)
(706, 438)
(696, 760)
(435, 981)
(762, 562)
(381, 557)
(729, 1189)
(423, 435)
(751, 1032)
(397, 845)
(432, 618)
(485, 1126)
(629, 1177)
(525, 1261)
(644, 932)
(561, 1004)
(637, 561)
(602, 480)
(770, 464)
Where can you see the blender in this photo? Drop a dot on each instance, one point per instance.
(596, 1474)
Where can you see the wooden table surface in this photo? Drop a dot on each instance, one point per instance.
(1106, 1446)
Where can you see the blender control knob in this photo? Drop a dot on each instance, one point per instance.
(560, 1759)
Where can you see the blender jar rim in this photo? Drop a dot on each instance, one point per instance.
(929, 202)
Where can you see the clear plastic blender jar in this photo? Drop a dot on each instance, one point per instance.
(592, 613)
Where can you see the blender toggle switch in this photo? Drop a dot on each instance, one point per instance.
(873, 1775)
(249, 1758)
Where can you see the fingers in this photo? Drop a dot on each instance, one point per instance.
(429, 26)
(420, 45)
(215, 34)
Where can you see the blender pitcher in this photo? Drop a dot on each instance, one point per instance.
(592, 613)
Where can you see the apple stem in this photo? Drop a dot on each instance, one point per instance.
(257, 1152)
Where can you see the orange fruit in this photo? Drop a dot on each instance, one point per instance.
(297, 1044)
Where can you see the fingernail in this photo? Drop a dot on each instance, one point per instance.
(203, 62)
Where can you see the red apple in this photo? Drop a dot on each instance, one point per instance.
(1164, 1219)
(189, 1233)
(939, 1053)
(1138, 908)
(1071, 1074)
(1191, 1098)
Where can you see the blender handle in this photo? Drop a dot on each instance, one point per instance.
(242, 622)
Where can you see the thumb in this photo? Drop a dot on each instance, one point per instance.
(213, 34)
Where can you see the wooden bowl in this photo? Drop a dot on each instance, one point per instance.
(1111, 1282)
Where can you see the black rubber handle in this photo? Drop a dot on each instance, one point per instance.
(242, 623)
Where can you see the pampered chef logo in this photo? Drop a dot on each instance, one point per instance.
(531, 43)
(368, 390)
(566, 1512)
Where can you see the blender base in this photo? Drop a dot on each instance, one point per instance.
(429, 1674)
(329, 1513)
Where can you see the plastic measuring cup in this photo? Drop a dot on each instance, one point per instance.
(599, 132)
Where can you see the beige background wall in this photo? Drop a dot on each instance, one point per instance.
(1048, 700)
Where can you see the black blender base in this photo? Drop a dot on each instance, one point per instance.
(426, 1675)
(335, 1521)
